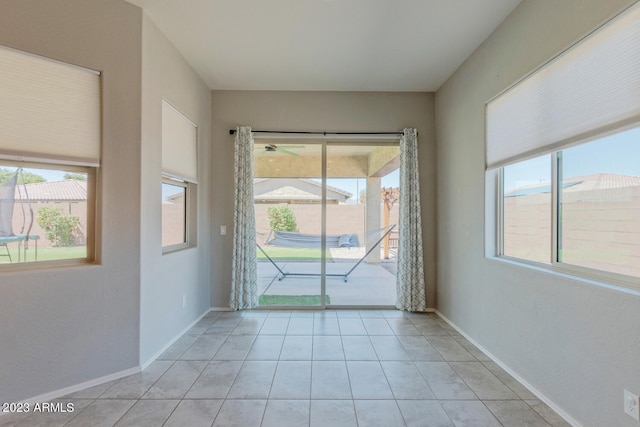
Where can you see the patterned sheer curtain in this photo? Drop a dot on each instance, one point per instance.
(411, 292)
(244, 279)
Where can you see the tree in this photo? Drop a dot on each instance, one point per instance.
(76, 176)
(61, 228)
(29, 178)
(281, 218)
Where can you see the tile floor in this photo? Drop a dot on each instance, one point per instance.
(310, 368)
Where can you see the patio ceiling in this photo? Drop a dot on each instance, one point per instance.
(353, 161)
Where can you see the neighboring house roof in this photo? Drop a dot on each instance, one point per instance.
(603, 181)
(67, 190)
(177, 198)
(295, 189)
(597, 181)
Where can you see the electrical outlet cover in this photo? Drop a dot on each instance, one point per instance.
(631, 405)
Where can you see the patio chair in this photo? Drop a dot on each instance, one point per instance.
(299, 240)
(8, 191)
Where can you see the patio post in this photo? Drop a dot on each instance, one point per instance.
(373, 216)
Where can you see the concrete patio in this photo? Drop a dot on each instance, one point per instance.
(367, 285)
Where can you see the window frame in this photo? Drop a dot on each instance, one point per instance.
(189, 214)
(554, 264)
(91, 219)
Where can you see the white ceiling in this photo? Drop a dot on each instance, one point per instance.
(326, 45)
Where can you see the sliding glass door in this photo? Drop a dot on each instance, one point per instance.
(326, 222)
(361, 230)
(288, 204)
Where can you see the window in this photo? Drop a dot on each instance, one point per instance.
(45, 213)
(50, 129)
(599, 204)
(596, 193)
(526, 210)
(174, 213)
(179, 183)
(564, 143)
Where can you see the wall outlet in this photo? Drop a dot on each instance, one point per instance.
(631, 405)
(184, 301)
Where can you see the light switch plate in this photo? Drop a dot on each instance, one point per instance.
(223, 230)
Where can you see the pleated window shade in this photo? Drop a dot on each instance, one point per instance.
(592, 87)
(49, 111)
(179, 144)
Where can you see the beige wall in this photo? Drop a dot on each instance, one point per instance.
(168, 279)
(599, 228)
(527, 227)
(575, 342)
(132, 297)
(341, 219)
(330, 111)
(173, 220)
(51, 317)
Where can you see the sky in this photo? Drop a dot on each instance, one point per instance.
(618, 154)
(48, 174)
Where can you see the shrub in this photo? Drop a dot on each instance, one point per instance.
(60, 227)
(281, 218)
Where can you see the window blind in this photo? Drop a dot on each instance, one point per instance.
(592, 87)
(179, 144)
(49, 111)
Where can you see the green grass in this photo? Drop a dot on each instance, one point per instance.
(291, 300)
(293, 254)
(44, 254)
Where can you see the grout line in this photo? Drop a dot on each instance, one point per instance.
(315, 372)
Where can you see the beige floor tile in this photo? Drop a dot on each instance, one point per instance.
(194, 413)
(378, 413)
(148, 413)
(334, 413)
(515, 413)
(286, 413)
(240, 413)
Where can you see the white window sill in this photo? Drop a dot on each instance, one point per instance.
(627, 288)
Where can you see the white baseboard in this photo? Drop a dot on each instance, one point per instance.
(115, 376)
(568, 418)
(149, 361)
(77, 387)
(355, 307)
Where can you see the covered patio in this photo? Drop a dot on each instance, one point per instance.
(370, 284)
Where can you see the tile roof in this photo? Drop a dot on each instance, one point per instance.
(596, 181)
(602, 181)
(309, 181)
(67, 190)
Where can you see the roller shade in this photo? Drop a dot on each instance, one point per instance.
(592, 87)
(179, 144)
(49, 111)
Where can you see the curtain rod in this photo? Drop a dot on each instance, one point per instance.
(233, 131)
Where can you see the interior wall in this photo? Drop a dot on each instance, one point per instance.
(314, 111)
(575, 342)
(167, 279)
(64, 326)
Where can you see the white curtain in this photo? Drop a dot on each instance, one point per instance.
(244, 279)
(411, 293)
